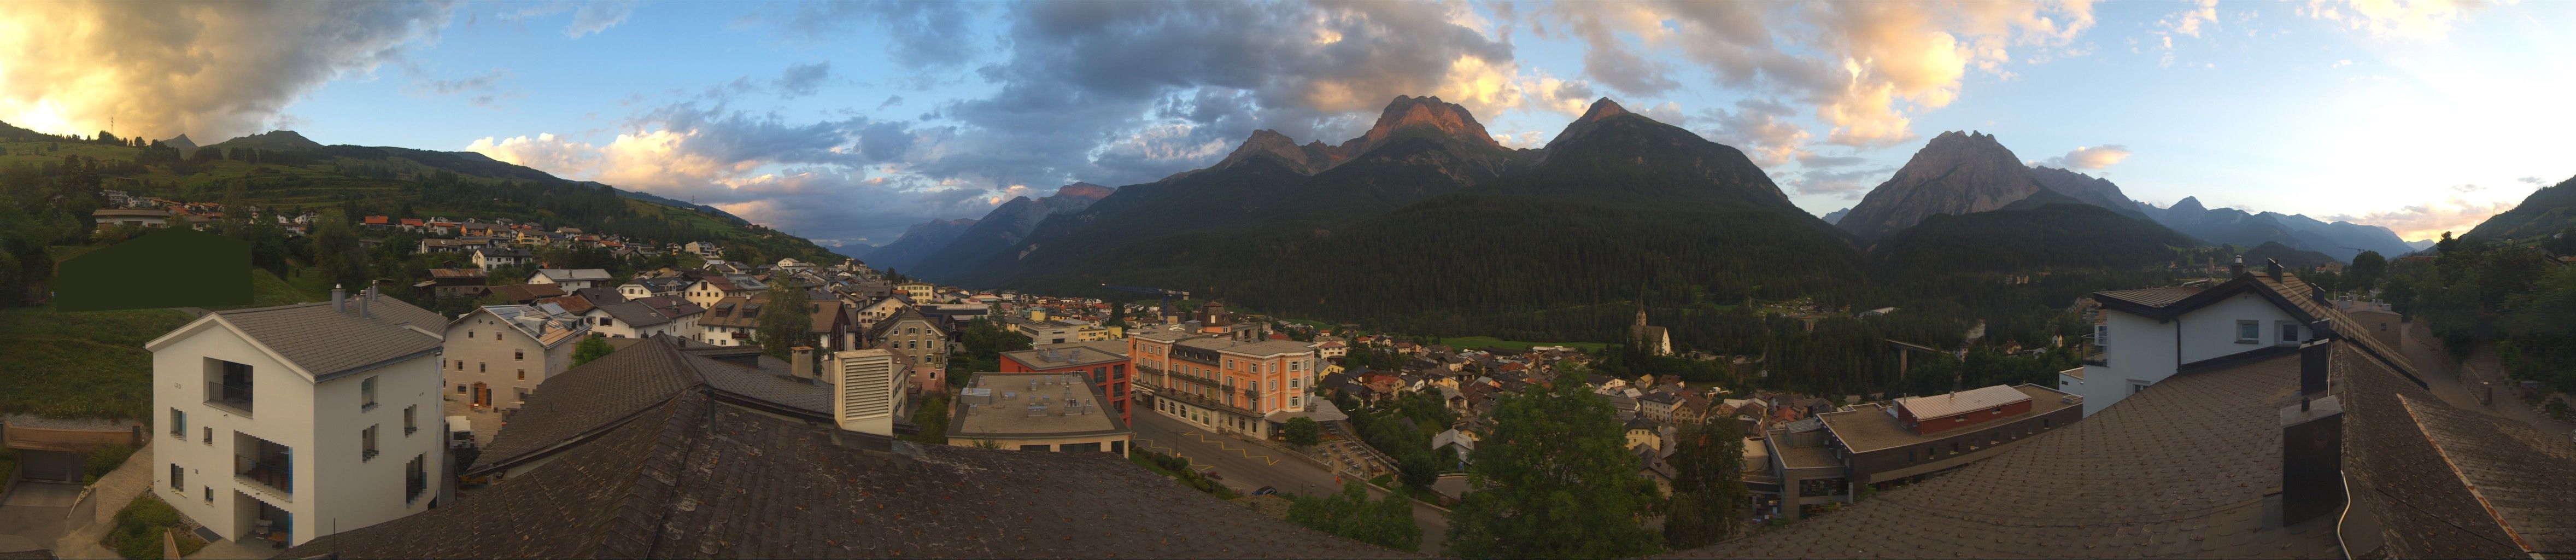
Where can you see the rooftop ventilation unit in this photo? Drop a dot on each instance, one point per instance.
(973, 409)
(1037, 410)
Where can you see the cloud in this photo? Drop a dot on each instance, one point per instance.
(2187, 23)
(599, 15)
(802, 79)
(2420, 20)
(2466, 188)
(1847, 184)
(1760, 129)
(2089, 157)
(1813, 161)
(1864, 67)
(919, 34)
(214, 69)
(2429, 220)
(482, 87)
(2534, 180)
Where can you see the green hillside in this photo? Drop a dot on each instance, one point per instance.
(2548, 211)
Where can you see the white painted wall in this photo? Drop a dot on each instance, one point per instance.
(320, 423)
(2142, 350)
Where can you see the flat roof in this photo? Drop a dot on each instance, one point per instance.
(1872, 428)
(1002, 407)
(1952, 404)
(1816, 457)
(1071, 354)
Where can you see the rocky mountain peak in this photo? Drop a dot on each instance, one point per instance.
(2191, 203)
(1425, 113)
(1955, 173)
(1306, 159)
(1601, 110)
(1084, 191)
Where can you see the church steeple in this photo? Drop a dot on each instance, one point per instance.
(1641, 314)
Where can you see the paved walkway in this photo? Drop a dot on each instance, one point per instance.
(112, 493)
(31, 515)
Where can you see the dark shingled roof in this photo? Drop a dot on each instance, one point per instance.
(325, 342)
(578, 402)
(697, 476)
(2151, 296)
(2190, 466)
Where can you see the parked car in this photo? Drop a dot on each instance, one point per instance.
(1265, 491)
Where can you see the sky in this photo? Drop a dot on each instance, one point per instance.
(847, 122)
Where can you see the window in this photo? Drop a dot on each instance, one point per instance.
(1293, 382)
(367, 394)
(1038, 447)
(480, 367)
(1292, 401)
(460, 366)
(460, 389)
(411, 419)
(520, 355)
(210, 494)
(178, 478)
(178, 423)
(2102, 335)
(2249, 332)
(210, 434)
(523, 374)
(2289, 333)
(469, 335)
(367, 439)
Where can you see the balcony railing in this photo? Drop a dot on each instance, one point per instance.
(235, 396)
(273, 473)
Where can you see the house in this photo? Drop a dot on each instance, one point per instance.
(703, 249)
(489, 257)
(1104, 363)
(2148, 335)
(923, 341)
(497, 355)
(833, 329)
(627, 319)
(377, 222)
(286, 423)
(919, 291)
(715, 287)
(571, 278)
(434, 245)
(1034, 411)
(878, 310)
(732, 321)
(455, 283)
(1658, 406)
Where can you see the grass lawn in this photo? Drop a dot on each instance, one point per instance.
(268, 290)
(88, 364)
(1491, 342)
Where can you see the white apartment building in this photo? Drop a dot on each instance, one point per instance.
(294, 421)
(2148, 335)
(572, 278)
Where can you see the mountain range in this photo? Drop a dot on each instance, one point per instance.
(944, 245)
(2338, 240)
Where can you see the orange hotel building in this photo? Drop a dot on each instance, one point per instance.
(1222, 384)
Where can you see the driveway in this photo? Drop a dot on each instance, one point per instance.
(1245, 466)
(31, 516)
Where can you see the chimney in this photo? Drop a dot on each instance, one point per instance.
(2237, 269)
(339, 298)
(2311, 459)
(364, 298)
(2272, 267)
(802, 362)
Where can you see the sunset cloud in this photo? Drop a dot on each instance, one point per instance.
(2429, 220)
(213, 70)
(2089, 157)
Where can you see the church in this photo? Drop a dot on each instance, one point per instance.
(1652, 339)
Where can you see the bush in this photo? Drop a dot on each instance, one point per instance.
(104, 461)
(137, 534)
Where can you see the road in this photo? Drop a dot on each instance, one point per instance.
(1246, 466)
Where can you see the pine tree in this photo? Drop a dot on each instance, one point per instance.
(1556, 481)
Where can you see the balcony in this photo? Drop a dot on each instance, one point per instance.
(232, 397)
(264, 467)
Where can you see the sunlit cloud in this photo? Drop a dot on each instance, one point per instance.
(2429, 220)
(2089, 157)
(2420, 20)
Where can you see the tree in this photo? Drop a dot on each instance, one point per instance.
(1709, 500)
(2366, 269)
(786, 322)
(1349, 514)
(1303, 431)
(933, 418)
(592, 348)
(1556, 481)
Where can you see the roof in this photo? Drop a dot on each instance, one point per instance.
(735, 311)
(1070, 354)
(456, 273)
(2285, 291)
(827, 313)
(574, 274)
(2154, 297)
(635, 314)
(569, 304)
(1263, 348)
(692, 474)
(1023, 405)
(327, 343)
(1971, 400)
(549, 325)
(1869, 427)
(878, 331)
